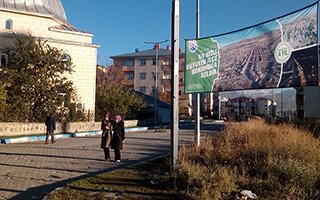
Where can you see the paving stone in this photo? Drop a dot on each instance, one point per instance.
(32, 170)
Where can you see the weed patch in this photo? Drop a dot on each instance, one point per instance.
(275, 162)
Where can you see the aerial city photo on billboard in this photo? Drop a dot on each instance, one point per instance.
(279, 53)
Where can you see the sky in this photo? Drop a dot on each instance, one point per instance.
(121, 26)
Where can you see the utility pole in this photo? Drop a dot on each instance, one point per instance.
(281, 104)
(197, 103)
(156, 46)
(219, 100)
(175, 82)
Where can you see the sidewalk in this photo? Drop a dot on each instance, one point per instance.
(35, 138)
(32, 170)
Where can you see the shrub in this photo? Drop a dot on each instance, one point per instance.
(275, 162)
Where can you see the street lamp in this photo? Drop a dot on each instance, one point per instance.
(156, 45)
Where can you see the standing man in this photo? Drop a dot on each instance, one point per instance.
(51, 126)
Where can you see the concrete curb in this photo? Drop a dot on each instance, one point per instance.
(35, 138)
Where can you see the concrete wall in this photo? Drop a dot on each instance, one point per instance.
(24, 129)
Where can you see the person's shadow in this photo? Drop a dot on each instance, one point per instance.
(40, 192)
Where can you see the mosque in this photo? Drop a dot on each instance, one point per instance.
(47, 19)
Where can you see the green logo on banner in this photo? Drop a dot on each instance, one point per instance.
(202, 65)
(283, 52)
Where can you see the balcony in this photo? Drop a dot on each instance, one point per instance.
(128, 69)
(129, 83)
(166, 68)
(166, 76)
(184, 97)
(166, 82)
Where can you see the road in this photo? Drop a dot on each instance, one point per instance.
(32, 170)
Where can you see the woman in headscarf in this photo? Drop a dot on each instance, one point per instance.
(118, 137)
(106, 126)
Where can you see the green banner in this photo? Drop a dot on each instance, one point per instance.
(202, 65)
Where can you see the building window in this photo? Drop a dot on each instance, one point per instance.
(4, 59)
(153, 76)
(9, 24)
(66, 62)
(130, 75)
(154, 61)
(64, 98)
(128, 63)
(143, 61)
(167, 75)
(143, 76)
(166, 62)
(143, 89)
(65, 58)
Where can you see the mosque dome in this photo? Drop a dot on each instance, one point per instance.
(45, 7)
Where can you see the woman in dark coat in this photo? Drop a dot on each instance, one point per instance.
(106, 127)
(118, 137)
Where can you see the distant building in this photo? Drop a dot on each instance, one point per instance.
(222, 110)
(46, 19)
(140, 68)
(307, 101)
(239, 107)
(265, 107)
(102, 74)
(211, 102)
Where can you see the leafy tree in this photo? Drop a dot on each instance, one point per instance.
(165, 96)
(112, 75)
(34, 80)
(3, 103)
(112, 94)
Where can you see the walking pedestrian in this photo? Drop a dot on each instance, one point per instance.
(118, 137)
(106, 126)
(51, 127)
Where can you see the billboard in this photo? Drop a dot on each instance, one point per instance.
(282, 52)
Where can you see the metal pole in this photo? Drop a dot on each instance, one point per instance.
(273, 113)
(156, 87)
(281, 104)
(156, 46)
(219, 107)
(175, 82)
(198, 19)
(197, 103)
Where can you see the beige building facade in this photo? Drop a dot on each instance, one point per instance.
(46, 19)
(141, 66)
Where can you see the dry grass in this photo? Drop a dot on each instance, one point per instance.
(275, 162)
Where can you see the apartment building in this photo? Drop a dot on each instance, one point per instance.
(243, 105)
(149, 72)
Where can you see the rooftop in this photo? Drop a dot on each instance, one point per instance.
(50, 8)
(147, 53)
(45, 7)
